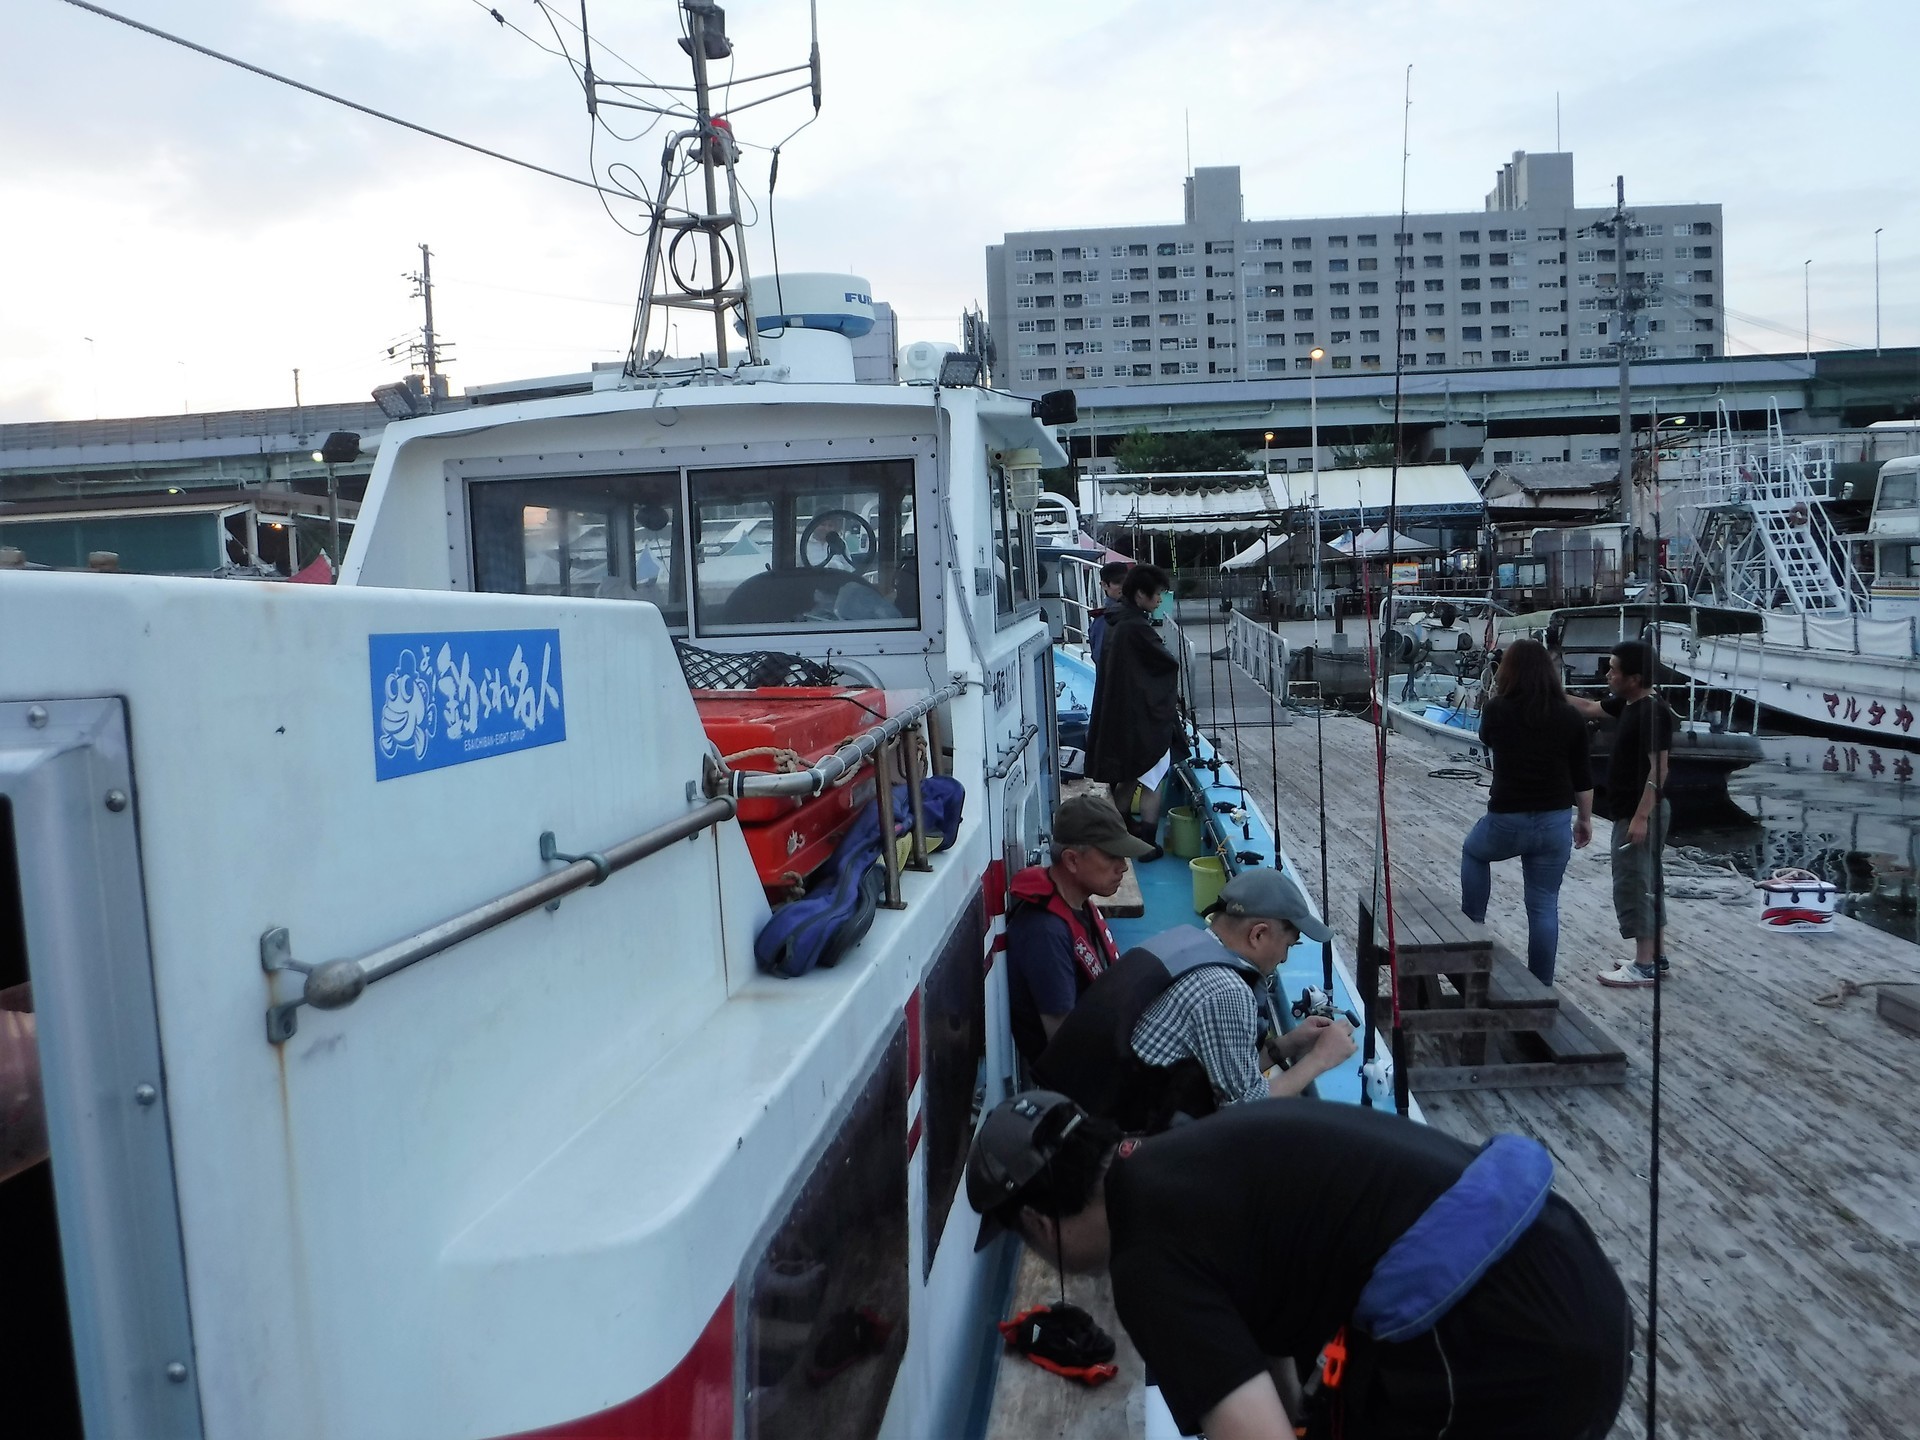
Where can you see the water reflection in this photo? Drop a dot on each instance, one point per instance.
(1848, 812)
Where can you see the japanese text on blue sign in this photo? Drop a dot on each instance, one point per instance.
(445, 699)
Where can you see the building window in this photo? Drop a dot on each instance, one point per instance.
(1070, 277)
(1169, 367)
(1303, 337)
(1302, 290)
(1703, 300)
(1025, 257)
(1522, 357)
(1023, 302)
(1369, 362)
(1046, 347)
(1076, 372)
(1045, 327)
(1433, 286)
(1340, 337)
(1497, 282)
(1303, 267)
(1167, 272)
(1369, 312)
(1502, 332)
(1338, 287)
(1436, 359)
(1043, 255)
(1433, 309)
(1502, 357)
(1025, 327)
(1076, 347)
(1469, 307)
(1469, 332)
(1408, 359)
(1406, 334)
(1024, 352)
(1469, 357)
(1340, 312)
(1343, 362)
(1469, 237)
(1500, 307)
(1471, 282)
(1303, 242)
(1186, 272)
(1303, 363)
(1498, 258)
(1043, 302)
(1436, 335)
(1273, 242)
(1433, 262)
(1071, 301)
(1336, 265)
(1403, 287)
(1469, 262)
(1336, 242)
(1369, 337)
(1073, 323)
(1165, 247)
(1303, 313)
(1135, 297)
(1369, 262)
(1185, 247)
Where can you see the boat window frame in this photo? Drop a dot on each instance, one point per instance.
(918, 449)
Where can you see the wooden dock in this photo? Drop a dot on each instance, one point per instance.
(1790, 1164)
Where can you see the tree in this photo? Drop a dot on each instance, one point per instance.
(1062, 480)
(1142, 452)
(1376, 449)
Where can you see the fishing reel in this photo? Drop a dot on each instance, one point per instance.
(1315, 1001)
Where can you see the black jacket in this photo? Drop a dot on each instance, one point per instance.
(1134, 693)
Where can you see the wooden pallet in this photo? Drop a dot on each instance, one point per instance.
(1474, 1015)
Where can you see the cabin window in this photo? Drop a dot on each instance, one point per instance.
(608, 537)
(1896, 492)
(1899, 562)
(1015, 586)
(953, 1017)
(795, 546)
(832, 1281)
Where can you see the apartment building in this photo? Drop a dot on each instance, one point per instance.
(1519, 282)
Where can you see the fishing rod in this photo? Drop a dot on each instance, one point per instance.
(1656, 838)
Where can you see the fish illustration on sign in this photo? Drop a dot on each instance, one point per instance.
(408, 718)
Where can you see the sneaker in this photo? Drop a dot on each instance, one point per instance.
(1666, 966)
(1630, 976)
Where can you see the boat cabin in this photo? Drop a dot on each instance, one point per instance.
(1893, 529)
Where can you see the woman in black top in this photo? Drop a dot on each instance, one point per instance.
(1540, 779)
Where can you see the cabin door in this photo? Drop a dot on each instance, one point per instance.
(94, 1332)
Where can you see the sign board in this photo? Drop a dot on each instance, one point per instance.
(1406, 573)
(446, 699)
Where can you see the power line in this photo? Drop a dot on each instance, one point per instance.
(171, 39)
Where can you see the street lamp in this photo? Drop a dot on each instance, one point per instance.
(1876, 291)
(1314, 357)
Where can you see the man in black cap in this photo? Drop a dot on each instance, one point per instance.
(1415, 1287)
(1057, 940)
(1176, 1026)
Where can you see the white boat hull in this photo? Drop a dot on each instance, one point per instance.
(1863, 694)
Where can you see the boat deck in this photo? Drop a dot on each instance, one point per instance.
(1790, 1212)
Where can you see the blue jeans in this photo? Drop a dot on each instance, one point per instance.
(1543, 839)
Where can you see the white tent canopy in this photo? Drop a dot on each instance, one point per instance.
(1374, 542)
(1256, 553)
(1423, 492)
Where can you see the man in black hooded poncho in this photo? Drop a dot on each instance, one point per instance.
(1132, 725)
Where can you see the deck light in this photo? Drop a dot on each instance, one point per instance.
(958, 368)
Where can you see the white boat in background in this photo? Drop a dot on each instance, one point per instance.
(1834, 650)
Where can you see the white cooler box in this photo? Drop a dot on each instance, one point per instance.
(1797, 901)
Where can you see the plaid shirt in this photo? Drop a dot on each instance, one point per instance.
(1209, 1015)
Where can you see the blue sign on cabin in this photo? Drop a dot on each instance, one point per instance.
(445, 699)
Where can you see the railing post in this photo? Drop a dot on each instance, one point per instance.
(883, 799)
(917, 852)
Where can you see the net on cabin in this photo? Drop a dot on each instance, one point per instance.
(748, 669)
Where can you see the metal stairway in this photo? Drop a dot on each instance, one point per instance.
(1761, 528)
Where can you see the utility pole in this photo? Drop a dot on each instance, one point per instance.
(1876, 291)
(429, 351)
(1616, 227)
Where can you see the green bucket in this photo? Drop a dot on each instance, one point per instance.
(1186, 832)
(1209, 874)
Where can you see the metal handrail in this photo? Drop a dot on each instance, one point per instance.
(843, 762)
(335, 984)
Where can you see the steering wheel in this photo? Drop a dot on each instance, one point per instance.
(832, 542)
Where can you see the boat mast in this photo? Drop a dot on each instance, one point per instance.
(716, 227)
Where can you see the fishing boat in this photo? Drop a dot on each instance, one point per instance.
(546, 984)
(1834, 650)
(1442, 701)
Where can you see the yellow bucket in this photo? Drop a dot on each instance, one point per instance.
(1209, 874)
(1186, 832)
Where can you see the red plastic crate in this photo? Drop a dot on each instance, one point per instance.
(792, 836)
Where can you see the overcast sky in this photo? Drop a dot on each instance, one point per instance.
(175, 232)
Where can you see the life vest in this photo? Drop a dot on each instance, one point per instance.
(1094, 953)
(1091, 1057)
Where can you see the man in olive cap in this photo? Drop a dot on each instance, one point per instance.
(1443, 1292)
(1057, 940)
(1175, 1027)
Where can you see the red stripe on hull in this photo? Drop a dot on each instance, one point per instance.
(693, 1402)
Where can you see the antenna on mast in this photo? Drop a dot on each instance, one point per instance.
(696, 256)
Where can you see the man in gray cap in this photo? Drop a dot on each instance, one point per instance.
(1175, 1027)
(1057, 940)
